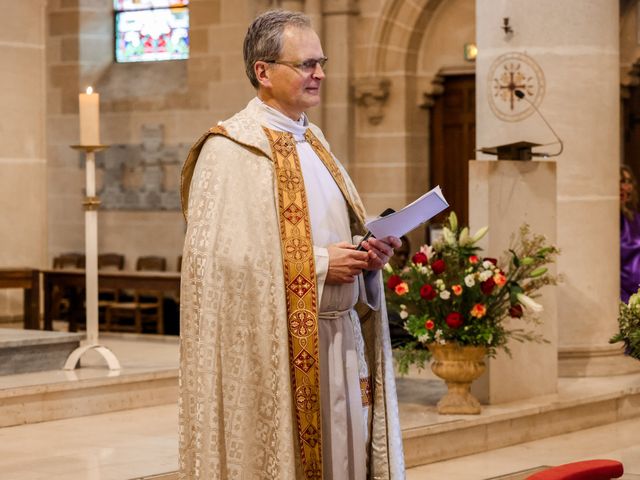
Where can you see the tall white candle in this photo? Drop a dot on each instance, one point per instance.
(89, 118)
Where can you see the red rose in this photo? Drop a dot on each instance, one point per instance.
(516, 311)
(487, 286)
(419, 258)
(492, 260)
(438, 266)
(429, 324)
(428, 292)
(454, 320)
(393, 282)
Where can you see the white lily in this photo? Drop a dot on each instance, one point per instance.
(464, 236)
(479, 234)
(449, 237)
(528, 303)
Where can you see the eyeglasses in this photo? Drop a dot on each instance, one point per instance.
(307, 66)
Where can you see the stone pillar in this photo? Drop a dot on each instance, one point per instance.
(23, 169)
(564, 56)
(338, 30)
(504, 195)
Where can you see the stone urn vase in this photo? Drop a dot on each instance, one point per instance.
(458, 366)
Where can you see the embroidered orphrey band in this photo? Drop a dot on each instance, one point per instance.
(366, 392)
(301, 295)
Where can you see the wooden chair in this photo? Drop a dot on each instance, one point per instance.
(62, 300)
(106, 296)
(145, 307)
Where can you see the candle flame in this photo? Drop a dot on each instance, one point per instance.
(89, 90)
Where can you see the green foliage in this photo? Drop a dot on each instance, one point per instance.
(629, 326)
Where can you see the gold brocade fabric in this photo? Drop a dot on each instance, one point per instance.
(301, 293)
(236, 404)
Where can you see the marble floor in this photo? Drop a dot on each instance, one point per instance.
(142, 443)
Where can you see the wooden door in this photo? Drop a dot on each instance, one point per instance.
(453, 143)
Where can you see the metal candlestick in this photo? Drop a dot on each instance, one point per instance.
(91, 204)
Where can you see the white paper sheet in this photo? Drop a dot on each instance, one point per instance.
(411, 216)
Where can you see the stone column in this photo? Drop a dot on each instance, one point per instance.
(23, 169)
(337, 36)
(564, 56)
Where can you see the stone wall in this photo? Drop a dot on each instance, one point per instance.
(180, 98)
(22, 143)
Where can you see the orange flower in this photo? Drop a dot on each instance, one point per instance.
(478, 310)
(402, 288)
(500, 279)
(429, 324)
(457, 290)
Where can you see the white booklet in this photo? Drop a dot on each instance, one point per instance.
(410, 217)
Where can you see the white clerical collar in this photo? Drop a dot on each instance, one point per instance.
(279, 121)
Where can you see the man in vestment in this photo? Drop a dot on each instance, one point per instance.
(286, 369)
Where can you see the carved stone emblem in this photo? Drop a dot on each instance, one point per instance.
(511, 72)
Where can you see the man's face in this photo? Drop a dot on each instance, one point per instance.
(291, 89)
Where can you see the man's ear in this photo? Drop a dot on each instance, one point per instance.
(263, 73)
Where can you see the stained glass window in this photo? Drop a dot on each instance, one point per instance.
(151, 30)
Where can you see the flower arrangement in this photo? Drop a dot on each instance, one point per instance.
(629, 326)
(449, 293)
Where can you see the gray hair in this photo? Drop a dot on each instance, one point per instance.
(264, 38)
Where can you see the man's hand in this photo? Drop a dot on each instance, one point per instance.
(345, 263)
(379, 251)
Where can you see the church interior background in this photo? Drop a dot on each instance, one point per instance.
(405, 107)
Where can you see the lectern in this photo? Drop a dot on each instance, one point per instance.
(512, 151)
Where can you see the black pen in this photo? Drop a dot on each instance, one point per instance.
(388, 211)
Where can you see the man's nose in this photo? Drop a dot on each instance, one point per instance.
(318, 72)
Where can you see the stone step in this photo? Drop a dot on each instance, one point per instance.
(149, 377)
(579, 404)
(24, 351)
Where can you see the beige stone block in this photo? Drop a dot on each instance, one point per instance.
(380, 179)
(232, 69)
(69, 49)
(136, 234)
(64, 75)
(204, 12)
(586, 226)
(69, 100)
(230, 96)
(24, 24)
(203, 69)
(97, 55)
(629, 406)
(24, 215)
(375, 203)
(417, 180)
(443, 445)
(23, 103)
(198, 41)
(225, 38)
(239, 12)
(96, 22)
(64, 23)
(380, 149)
(61, 180)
